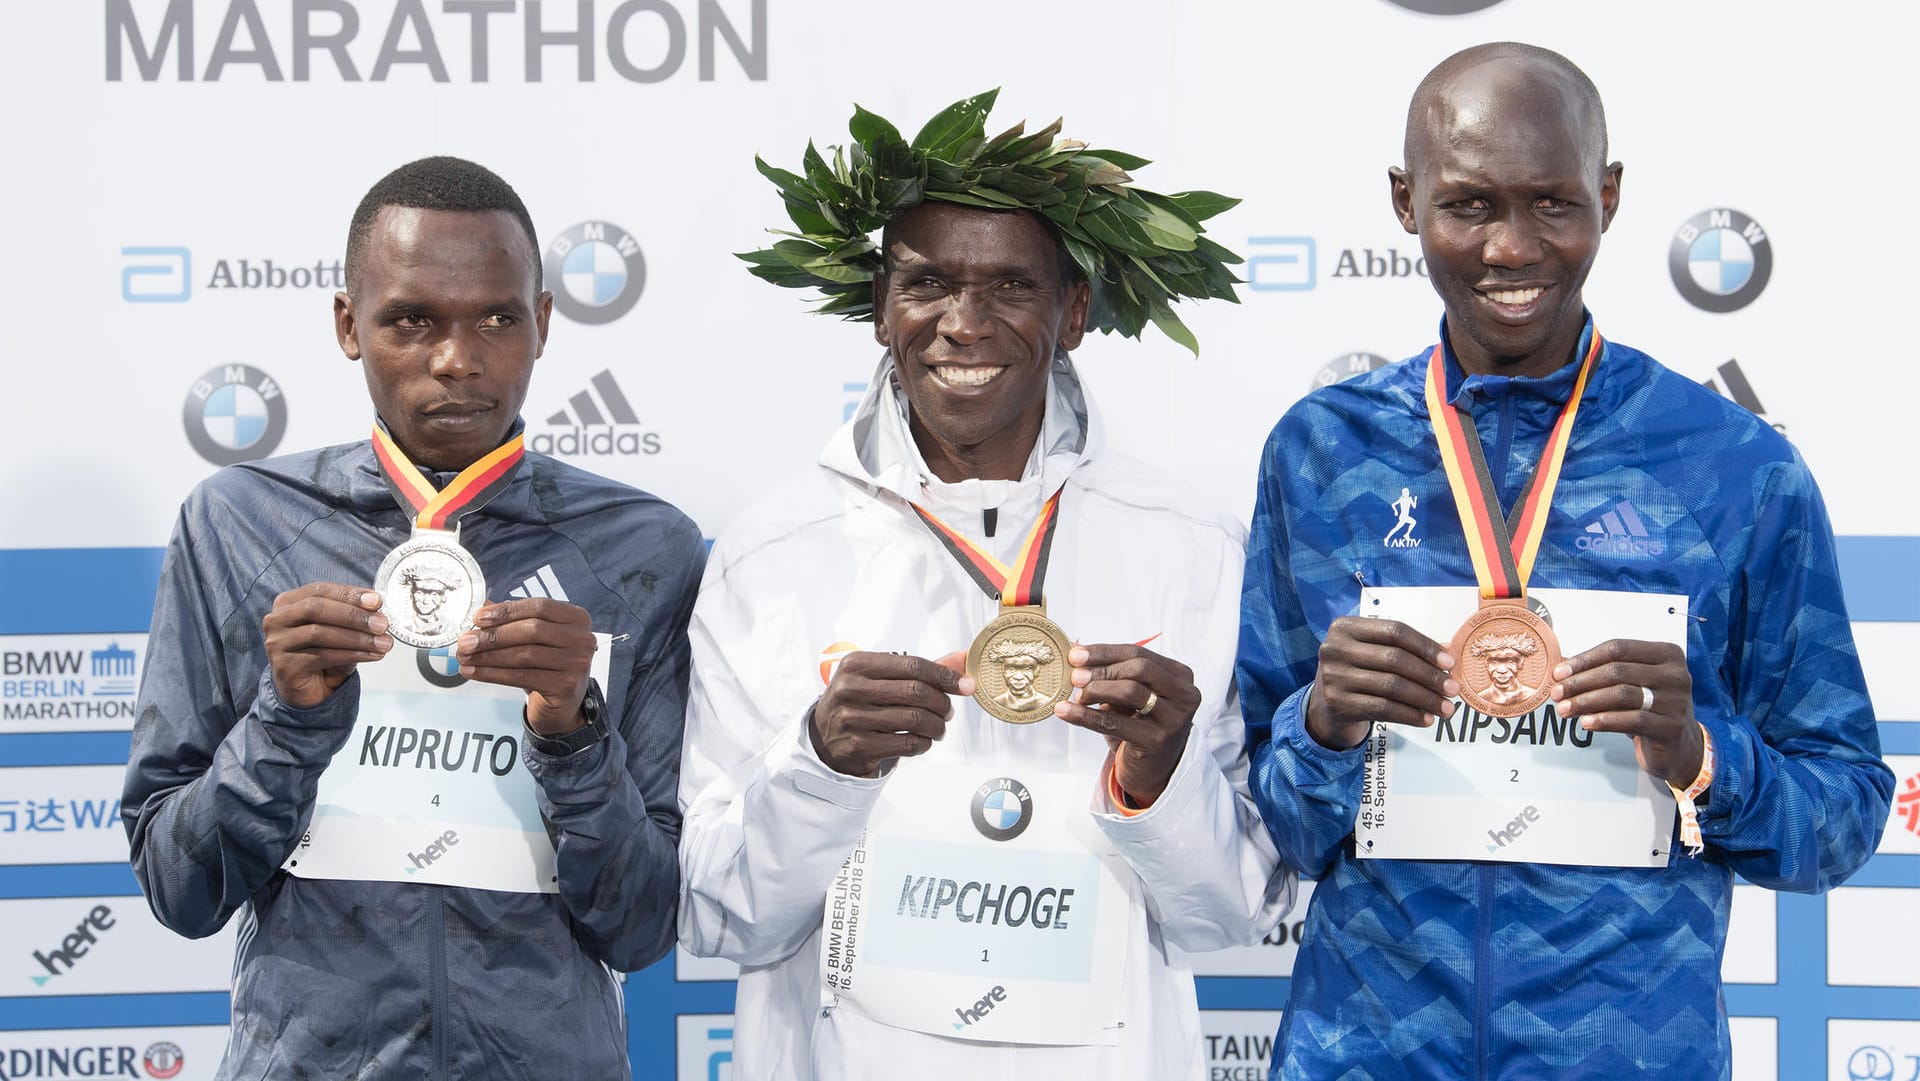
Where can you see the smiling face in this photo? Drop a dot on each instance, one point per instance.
(1502, 666)
(1506, 187)
(972, 305)
(1019, 673)
(446, 318)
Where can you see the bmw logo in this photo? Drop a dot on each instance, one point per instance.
(1445, 7)
(234, 413)
(1720, 260)
(1002, 809)
(596, 272)
(439, 667)
(1347, 366)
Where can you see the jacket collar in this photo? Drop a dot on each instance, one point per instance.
(1552, 388)
(875, 447)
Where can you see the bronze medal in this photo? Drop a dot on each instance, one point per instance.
(1019, 665)
(1503, 658)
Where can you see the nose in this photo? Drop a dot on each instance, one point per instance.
(457, 356)
(961, 320)
(1512, 242)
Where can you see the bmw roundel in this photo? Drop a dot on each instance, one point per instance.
(1720, 260)
(1002, 809)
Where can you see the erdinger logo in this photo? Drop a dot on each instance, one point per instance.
(234, 413)
(596, 272)
(1720, 260)
(439, 667)
(831, 657)
(1347, 366)
(163, 1060)
(1002, 809)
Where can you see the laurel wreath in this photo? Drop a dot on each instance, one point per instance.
(1141, 250)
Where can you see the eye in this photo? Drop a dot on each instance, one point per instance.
(411, 321)
(1472, 205)
(498, 321)
(1552, 204)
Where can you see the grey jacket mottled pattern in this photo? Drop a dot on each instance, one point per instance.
(338, 979)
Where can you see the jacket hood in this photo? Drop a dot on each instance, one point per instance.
(875, 447)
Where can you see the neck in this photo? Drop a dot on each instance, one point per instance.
(1556, 353)
(1003, 457)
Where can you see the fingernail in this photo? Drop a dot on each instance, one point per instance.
(1447, 709)
(966, 685)
(369, 600)
(1586, 722)
(467, 643)
(1060, 710)
(383, 643)
(1451, 687)
(484, 615)
(1074, 696)
(1443, 659)
(1562, 670)
(377, 623)
(1080, 677)
(1077, 655)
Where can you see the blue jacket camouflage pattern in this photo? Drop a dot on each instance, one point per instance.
(1432, 969)
(394, 980)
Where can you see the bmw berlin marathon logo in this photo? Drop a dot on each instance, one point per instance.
(234, 413)
(596, 272)
(1720, 260)
(1002, 809)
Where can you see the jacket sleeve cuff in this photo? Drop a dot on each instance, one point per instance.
(1180, 801)
(311, 733)
(1290, 724)
(796, 760)
(1733, 773)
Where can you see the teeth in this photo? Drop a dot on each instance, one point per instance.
(1514, 296)
(967, 377)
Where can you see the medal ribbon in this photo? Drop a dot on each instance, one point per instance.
(1501, 568)
(1017, 586)
(466, 493)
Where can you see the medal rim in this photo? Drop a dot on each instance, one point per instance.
(1025, 616)
(447, 543)
(1504, 609)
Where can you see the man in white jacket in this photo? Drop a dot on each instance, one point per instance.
(909, 882)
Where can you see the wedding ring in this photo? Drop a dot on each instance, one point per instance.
(1646, 699)
(1152, 701)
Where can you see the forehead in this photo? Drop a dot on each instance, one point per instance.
(958, 238)
(1505, 123)
(448, 250)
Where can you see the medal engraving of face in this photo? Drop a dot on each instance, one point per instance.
(1020, 665)
(430, 589)
(1504, 659)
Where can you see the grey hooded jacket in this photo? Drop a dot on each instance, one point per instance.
(338, 979)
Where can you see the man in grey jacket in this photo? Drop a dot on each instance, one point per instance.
(442, 836)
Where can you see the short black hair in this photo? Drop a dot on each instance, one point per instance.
(1070, 272)
(438, 183)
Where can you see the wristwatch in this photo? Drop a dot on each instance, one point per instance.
(593, 710)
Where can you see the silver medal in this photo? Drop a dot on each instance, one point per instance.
(430, 588)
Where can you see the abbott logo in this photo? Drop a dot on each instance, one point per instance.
(156, 275)
(598, 420)
(75, 946)
(1281, 264)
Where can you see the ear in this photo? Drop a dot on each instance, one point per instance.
(542, 317)
(1400, 190)
(345, 326)
(1079, 300)
(879, 307)
(1610, 194)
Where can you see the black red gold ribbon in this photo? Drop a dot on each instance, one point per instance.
(466, 493)
(1502, 547)
(1016, 586)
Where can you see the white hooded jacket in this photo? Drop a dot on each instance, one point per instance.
(837, 559)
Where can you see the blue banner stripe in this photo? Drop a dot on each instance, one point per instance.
(66, 749)
(68, 880)
(1899, 737)
(1876, 574)
(78, 590)
(134, 1011)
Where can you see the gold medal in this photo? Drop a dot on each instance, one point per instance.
(1019, 665)
(1503, 658)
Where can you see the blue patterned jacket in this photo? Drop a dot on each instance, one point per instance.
(1431, 969)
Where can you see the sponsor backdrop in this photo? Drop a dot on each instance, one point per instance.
(181, 198)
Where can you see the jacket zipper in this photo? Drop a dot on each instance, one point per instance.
(437, 980)
(1482, 962)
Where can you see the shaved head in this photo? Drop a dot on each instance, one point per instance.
(1471, 79)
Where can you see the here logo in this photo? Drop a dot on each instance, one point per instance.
(1503, 837)
(75, 945)
(432, 854)
(969, 1016)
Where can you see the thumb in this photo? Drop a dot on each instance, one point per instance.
(956, 662)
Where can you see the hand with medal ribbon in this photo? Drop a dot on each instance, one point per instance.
(436, 596)
(1024, 669)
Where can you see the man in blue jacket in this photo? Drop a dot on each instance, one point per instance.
(1462, 968)
(444, 826)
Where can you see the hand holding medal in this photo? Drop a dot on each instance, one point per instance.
(1142, 702)
(881, 707)
(316, 634)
